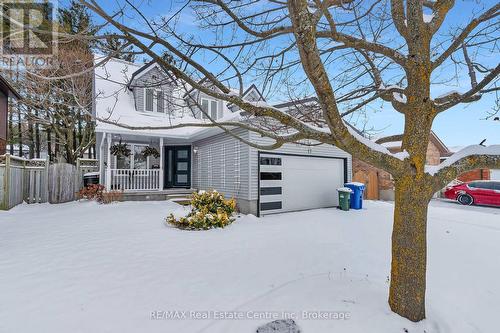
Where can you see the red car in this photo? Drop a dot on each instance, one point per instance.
(479, 192)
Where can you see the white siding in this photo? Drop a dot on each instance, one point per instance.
(221, 163)
(218, 164)
(321, 150)
(147, 80)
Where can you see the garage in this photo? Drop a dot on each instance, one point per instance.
(297, 182)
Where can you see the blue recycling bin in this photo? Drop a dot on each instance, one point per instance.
(357, 194)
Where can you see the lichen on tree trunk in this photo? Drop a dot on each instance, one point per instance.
(409, 249)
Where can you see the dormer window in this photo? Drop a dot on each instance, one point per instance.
(210, 107)
(154, 100)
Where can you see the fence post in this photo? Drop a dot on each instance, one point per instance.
(6, 185)
(46, 180)
(77, 175)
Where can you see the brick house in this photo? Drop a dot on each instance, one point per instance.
(6, 91)
(379, 183)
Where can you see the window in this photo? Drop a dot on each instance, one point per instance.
(154, 100)
(149, 97)
(139, 161)
(482, 185)
(123, 162)
(487, 185)
(270, 176)
(209, 107)
(270, 161)
(213, 109)
(204, 108)
(160, 102)
(135, 161)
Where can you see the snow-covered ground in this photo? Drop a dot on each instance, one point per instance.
(83, 267)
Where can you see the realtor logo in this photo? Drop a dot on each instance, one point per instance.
(28, 32)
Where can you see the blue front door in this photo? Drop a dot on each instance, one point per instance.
(177, 166)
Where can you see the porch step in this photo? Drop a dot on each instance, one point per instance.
(184, 201)
(180, 198)
(174, 194)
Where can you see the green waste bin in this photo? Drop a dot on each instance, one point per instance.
(344, 198)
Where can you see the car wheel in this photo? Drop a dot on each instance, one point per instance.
(465, 199)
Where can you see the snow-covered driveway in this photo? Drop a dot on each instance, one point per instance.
(83, 267)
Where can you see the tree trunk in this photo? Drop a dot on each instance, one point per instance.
(409, 249)
(31, 135)
(49, 145)
(20, 131)
(37, 136)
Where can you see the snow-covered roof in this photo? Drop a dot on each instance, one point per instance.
(454, 149)
(115, 102)
(392, 144)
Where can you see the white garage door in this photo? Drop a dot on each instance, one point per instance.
(495, 174)
(290, 183)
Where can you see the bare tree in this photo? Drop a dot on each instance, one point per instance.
(351, 55)
(64, 106)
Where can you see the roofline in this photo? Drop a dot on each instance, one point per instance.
(443, 149)
(198, 135)
(143, 69)
(139, 133)
(252, 86)
(300, 101)
(193, 88)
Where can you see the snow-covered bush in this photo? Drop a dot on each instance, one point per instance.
(209, 210)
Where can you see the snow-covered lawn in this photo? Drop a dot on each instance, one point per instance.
(83, 267)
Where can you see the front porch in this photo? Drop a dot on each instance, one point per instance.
(140, 175)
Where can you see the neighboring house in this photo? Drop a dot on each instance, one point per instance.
(294, 177)
(379, 183)
(6, 92)
(478, 174)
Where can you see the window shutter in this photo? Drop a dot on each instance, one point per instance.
(160, 101)
(213, 110)
(149, 96)
(204, 107)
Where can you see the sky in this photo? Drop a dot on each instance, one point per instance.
(462, 125)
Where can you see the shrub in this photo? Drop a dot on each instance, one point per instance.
(98, 193)
(91, 192)
(209, 210)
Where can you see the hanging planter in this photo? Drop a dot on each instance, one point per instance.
(120, 149)
(150, 151)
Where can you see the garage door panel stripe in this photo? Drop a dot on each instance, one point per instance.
(270, 176)
(273, 205)
(271, 190)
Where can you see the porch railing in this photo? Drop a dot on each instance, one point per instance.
(135, 179)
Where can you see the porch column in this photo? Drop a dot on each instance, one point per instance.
(101, 158)
(108, 168)
(161, 165)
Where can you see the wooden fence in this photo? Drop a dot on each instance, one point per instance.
(22, 180)
(36, 181)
